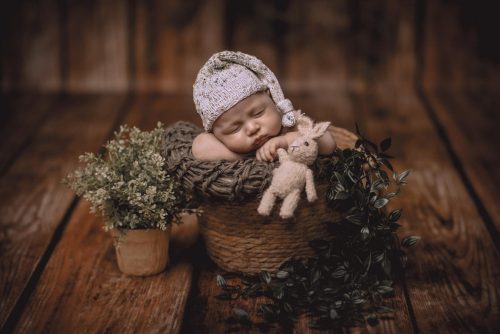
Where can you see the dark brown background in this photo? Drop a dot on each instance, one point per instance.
(424, 72)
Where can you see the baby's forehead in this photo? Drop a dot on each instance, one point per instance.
(240, 109)
(252, 101)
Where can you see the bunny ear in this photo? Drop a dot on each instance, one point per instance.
(304, 124)
(319, 129)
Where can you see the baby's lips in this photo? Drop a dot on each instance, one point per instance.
(260, 141)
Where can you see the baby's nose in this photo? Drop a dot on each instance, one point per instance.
(252, 128)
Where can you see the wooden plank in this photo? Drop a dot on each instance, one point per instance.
(81, 281)
(316, 46)
(172, 41)
(249, 31)
(461, 85)
(32, 199)
(82, 289)
(456, 50)
(31, 48)
(22, 115)
(467, 121)
(165, 108)
(339, 44)
(453, 276)
(97, 46)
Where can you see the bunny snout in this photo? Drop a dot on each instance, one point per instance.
(303, 150)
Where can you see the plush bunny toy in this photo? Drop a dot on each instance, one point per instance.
(293, 174)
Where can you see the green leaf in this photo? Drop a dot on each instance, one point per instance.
(403, 259)
(384, 290)
(339, 272)
(386, 265)
(267, 309)
(342, 195)
(379, 257)
(365, 233)
(410, 241)
(368, 262)
(385, 144)
(221, 282)
(384, 309)
(265, 276)
(355, 219)
(395, 215)
(333, 314)
(380, 203)
(378, 185)
(372, 319)
(279, 293)
(240, 313)
(340, 178)
(392, 194)
(282, 274)
(401, 177)
(358, 301)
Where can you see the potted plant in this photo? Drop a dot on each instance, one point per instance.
(129, 186)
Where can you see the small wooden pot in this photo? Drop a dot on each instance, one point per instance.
(141, 252)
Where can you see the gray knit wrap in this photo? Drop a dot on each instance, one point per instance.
(227, 78)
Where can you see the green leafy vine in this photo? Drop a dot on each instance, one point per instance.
(345, 283)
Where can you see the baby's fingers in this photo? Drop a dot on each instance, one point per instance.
(258, 155)
(265, 153)
(272, 150)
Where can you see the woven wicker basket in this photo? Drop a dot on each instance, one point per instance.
(237, 238)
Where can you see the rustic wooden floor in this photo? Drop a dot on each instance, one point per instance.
(58, 268)
(423, 72)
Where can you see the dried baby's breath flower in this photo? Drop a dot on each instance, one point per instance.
(128, 184)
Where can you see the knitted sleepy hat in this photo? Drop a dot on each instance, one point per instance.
(227, 78)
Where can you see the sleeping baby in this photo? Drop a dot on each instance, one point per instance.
(245, 115)
(243, 110)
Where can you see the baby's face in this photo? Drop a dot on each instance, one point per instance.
(249, 124)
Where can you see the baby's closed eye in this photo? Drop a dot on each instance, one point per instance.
(258, 113)
(234, 129)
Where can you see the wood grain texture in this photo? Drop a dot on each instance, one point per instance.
(22, 115)
(252, 27)
(461, 86)
(316, 46)
(97, 48)
(33, 200)
(334, 45)
(31, 46)
(172, 41)
(82, 282)
(453, 276)
(83, 291)
(456, 50)
(147, 109)
(467, 119)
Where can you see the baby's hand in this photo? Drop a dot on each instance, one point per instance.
(267, 152)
